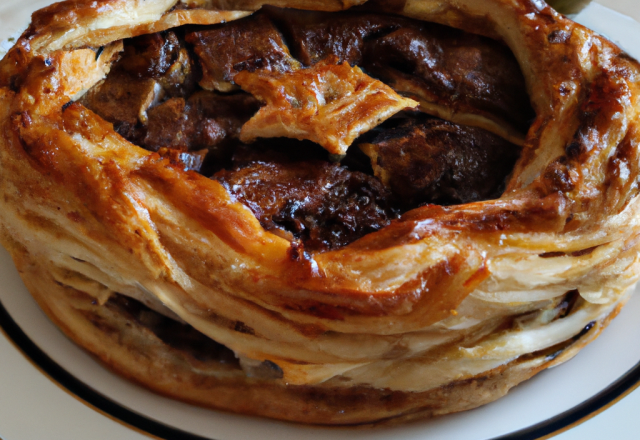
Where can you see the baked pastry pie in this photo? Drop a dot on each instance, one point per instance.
(333, 212)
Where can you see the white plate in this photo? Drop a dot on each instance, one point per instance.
(58, 391)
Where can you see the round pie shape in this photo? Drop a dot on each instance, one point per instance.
(443, 310)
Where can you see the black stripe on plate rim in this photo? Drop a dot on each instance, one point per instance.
(83, 391)
(545, 429)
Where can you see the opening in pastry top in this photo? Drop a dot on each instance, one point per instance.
(326, 126)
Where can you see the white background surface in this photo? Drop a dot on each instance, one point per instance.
(33, 407)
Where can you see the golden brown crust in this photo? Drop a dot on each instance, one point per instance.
(341, 103)
(434, 292)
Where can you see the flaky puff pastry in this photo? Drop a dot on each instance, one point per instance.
(442, 311)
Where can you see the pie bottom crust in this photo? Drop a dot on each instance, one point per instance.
(131, 350)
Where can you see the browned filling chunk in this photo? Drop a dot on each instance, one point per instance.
(434, 161)
(153, 68)
(163, 57)
(313, 36)
(174, 93)
(322, 204)
(206, 122)
(462, 71)
(123, 100)
(249, 44)
(151, 56)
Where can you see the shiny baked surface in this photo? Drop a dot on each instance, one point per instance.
(561, 217)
